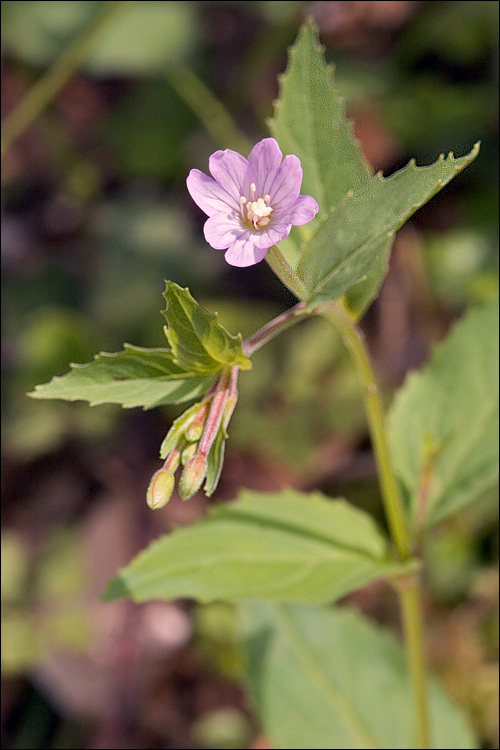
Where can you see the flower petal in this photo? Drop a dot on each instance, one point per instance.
(302, 211)
(286, 185)
(272, 234)
(229, 169)
(265, 161)
(208, 194)
(243, 252)
(221, 230)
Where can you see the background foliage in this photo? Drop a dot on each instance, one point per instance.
(95, 216)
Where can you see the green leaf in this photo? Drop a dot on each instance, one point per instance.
(200, 350)
(444, 421)
(133, 377)
(198, 341)
(286, 546)
(356, 234)
(359, 296)
(328, 678)
(309, 121)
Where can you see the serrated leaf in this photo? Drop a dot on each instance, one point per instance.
(444, 421)
(133, 377)
(309, 121)
(198, 341)
(286, 546)
(355, 233)
(327, 678)
(358, 297)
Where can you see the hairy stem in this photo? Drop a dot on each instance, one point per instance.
(48, 86)
(409, 593)
(274, 327)
(393, 502)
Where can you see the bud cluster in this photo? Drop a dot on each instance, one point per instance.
(189, 442)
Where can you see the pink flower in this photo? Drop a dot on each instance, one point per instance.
(251, 203)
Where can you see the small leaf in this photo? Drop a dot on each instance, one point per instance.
(328, 678)
(310, 122)
(286, 546)
(444, 421)
(199, 343)
(355, 234)
(134, 377)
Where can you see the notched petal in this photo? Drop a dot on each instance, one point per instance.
(208, 194)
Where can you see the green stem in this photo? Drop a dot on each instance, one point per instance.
(274, 327)
(411, 614)
(409, 592)
(47, 87)
(393, 503)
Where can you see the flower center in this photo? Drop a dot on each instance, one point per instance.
(258, 211)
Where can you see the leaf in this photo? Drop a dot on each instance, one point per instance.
(286, 546)
(198, 341)
(327, 678)
(133, 377)
(443, 423)
(356, 233)
(200, 350)
(359, 296)
(309, 121)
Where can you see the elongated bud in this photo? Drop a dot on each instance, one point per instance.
(188, 453)
(193, 476)
(160, 489)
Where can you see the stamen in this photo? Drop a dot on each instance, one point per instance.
(267, 198)
(243, 200)
(252, 187)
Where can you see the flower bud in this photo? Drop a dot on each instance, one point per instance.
(193, 431)
(160, 489)
(188, 453)
(193, 476)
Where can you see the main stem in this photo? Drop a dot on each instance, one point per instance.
(409, 592)
(408, 589)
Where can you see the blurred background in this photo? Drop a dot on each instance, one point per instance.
(95, 216)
